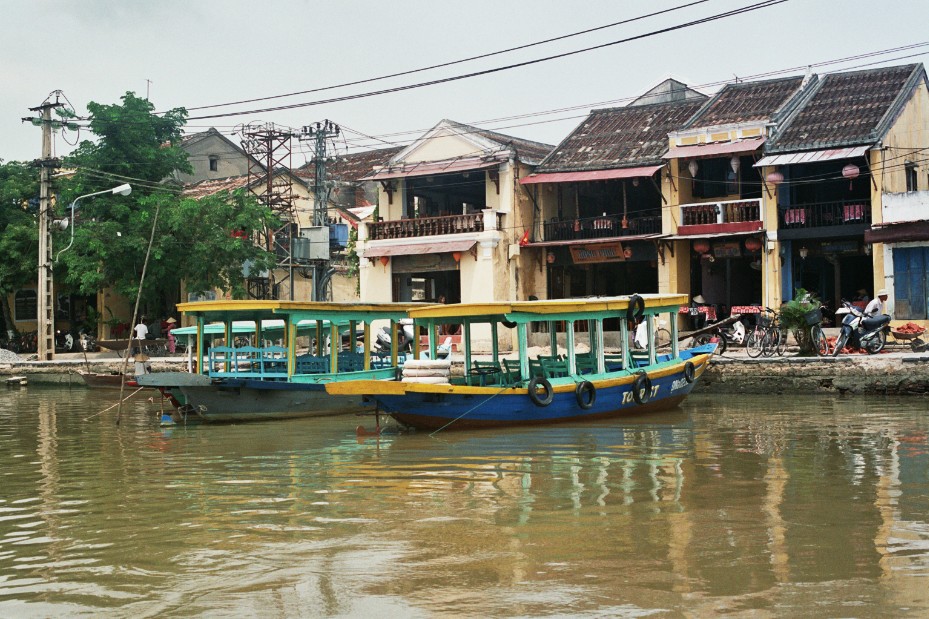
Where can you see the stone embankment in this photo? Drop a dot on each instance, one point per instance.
(890, 373)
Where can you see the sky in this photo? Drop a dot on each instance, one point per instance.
(191, 54)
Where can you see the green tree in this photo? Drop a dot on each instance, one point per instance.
(19, 238)
(194, 240)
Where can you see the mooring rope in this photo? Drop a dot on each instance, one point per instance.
(470, 410)
(115, 405)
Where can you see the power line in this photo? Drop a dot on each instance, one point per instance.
(704, 20)
(455, 62)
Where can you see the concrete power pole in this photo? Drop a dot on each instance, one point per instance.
(320, 133)
(46, 291)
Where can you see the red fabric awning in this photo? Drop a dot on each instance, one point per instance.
(714, 149)
(813, 156)
(430, 168)
(410, 249)
(591, 175)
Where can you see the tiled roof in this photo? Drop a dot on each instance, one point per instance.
(350, 168)
(846, 109)
(214, 185)
(527, 150)
(746, 102)
(620, 137)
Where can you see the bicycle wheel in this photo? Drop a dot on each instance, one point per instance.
(820, 343)
(780, 344)
(769, 342)
(753, 342)
(662, 340)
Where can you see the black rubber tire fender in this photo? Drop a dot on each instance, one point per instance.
(586, 394)
(548, 394)
(642, 388)
(509, 324)
(690, 372)
(636, 309)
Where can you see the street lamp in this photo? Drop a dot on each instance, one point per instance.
(62, 224)
(46, 321)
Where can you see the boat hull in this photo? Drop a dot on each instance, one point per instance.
(431, 407)
(108, 381)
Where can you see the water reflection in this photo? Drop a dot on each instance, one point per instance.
(813, 506)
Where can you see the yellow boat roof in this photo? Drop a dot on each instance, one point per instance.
(592, 305)
(303, 310)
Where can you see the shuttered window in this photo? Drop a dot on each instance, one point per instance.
(911, 283)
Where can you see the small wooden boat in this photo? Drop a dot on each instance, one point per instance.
(108, 380)
(527, 391)
(259, 378)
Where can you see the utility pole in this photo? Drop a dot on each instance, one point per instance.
(319, 134)
(46, 291)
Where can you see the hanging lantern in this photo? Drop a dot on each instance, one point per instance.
(753, 243)
(627, 252)
(734, 164)
(692, 168)
(775, 178)
(701, 246)
(385, 260)
(457, 256)
(850, 171)
(550, 258)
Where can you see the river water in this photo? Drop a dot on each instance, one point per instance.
(741, 506)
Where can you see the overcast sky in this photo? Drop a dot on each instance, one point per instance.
(216, 51)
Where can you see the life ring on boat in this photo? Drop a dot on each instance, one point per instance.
(642, 388)
(690, 372)
(586, 394)
(537, 383)
(636, 309)
(509, 324)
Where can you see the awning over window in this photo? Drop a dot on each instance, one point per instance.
(813, 156)
(711, 235)
(419, 248)
(612, 239)
(431, 168)
(714, 149)
(591, 175)
(899, 232)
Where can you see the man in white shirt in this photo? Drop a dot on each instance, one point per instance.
(141, 332)
(878, 305)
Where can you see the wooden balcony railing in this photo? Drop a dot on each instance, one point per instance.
(599, 227)
(731, 211)
(825, 214)
(426, 226)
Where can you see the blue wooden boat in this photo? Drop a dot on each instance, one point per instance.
(526, 391)
(265, 373)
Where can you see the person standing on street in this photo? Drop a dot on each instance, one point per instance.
(141, 332)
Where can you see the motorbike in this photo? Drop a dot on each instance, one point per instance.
(860, 330)
(405, 334)
(64, 341)
(88, 342)
(724, 332)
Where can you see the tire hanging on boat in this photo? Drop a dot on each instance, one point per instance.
(690, 372)
(586, 394)
(636, 309)
(548, 394)
(509, 324)
(642, 388)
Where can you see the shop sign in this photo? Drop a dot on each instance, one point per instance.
(600, 252)
(840, 247)
(729, 249)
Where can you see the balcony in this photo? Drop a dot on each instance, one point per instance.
(838, 218)
(721, 217)
(599, 227)
(429, 226)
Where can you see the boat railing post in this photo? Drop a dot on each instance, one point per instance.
(652, 347)
(493, 341)
(367, 344)
(599, 345)
(291, 346)
(523, 342)
(433, 336)
(393, 343)
(319, 338)
(569, 345)
(553, 337)
(416, 344)
(466, 342)
(230, 343)
(335, 343)
(624, 343)
(200, 339)
(675, 348)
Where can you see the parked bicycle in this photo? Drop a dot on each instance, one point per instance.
(766, 337)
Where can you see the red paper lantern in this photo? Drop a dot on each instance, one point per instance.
(753, 243)
(850, 171)
(775, 178)
(385, 260)
(550, 258)
(701, 246)
(457, 256)
(627, 252)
